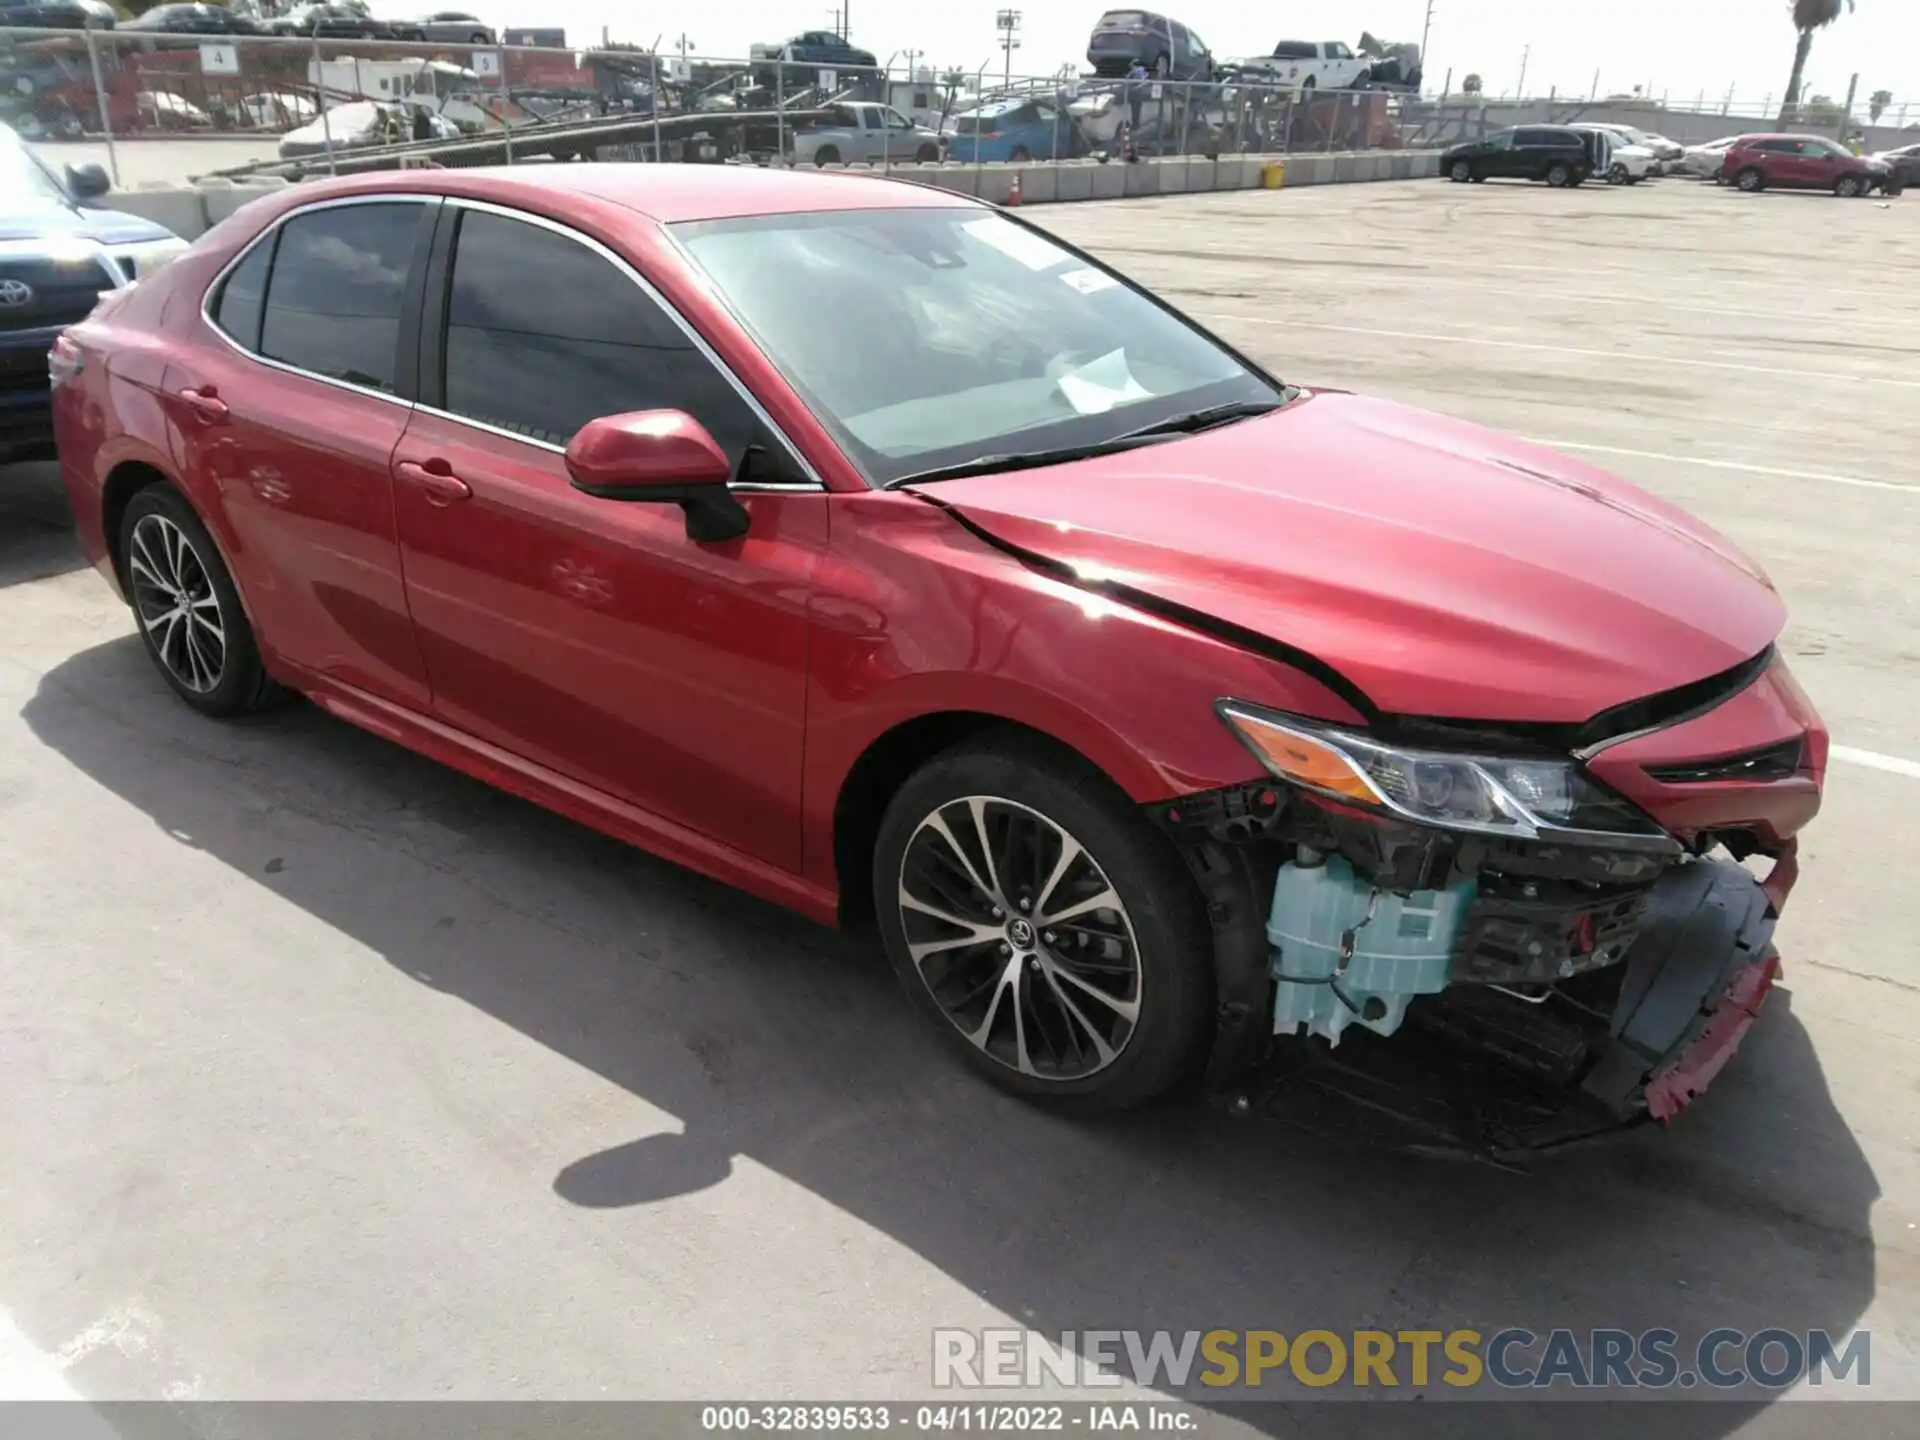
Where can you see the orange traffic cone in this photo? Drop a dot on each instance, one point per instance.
(1013, 195)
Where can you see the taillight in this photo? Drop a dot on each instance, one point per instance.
(65, 360)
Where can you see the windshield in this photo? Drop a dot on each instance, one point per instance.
(24, 181)
(929, 338)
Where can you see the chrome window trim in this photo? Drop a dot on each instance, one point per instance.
(215, 285)
(506, 212)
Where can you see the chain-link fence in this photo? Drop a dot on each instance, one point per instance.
(319, 102)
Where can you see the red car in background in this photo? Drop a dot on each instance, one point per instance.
(1167, 717)
(1804, 162)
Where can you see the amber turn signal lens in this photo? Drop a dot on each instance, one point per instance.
(1301, 758)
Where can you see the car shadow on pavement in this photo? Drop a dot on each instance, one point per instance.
(778, 1043)
(36, 525)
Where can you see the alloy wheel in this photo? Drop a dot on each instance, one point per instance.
(174, 597)
(1020, 938)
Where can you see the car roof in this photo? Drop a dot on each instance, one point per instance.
(668, 194)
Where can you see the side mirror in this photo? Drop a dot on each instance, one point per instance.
(88, 181)
(659, 456)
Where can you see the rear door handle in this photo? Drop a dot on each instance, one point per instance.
(434, 476)
(206, 403)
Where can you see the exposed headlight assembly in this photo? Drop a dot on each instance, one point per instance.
(1528, 798)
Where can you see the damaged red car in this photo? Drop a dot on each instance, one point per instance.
(875, 551)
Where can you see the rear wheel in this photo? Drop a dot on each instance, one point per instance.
(1847, 186)
(1751, 180)
(1460, 173)
(187, 608)
(827, 155)
(1043, 925)
(1560, 175)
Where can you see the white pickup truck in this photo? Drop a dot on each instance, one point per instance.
(1307, 65)
(863, 131)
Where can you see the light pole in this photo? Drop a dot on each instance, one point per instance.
(1007, 22)
(1525, 55)
(1426, 30)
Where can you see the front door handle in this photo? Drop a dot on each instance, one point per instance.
(434, 476)
(206, 403)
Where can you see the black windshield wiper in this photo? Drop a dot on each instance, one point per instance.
(1024, 460)
(1207, 417)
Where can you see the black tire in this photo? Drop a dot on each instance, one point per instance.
(1560, 175)
(1479, 179)
(1752, 180)
(1170, 973)
(1619, 174)
(1460, 172)
(1848, 186)
(243, 684)
(827, 155)
(1019, 155)
(1162, 66)
(928, 155)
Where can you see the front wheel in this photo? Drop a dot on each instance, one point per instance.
(826, 155)
(1019, 155)
(1461, 172)
(1044, 926)
(928, 154)
(1618, 175)
(187, 608)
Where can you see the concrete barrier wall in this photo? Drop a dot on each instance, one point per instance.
(190, 211)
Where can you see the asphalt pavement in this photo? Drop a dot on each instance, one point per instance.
(327, 1073)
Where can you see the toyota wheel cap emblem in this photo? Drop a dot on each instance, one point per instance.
(15, 293)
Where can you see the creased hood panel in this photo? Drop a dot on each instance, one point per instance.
(1445, 569)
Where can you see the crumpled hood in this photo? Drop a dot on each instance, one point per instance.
(108, 227)
(1444, 569)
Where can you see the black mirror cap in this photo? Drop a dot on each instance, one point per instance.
(87, 181)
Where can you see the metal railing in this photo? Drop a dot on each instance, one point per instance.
(334, 104)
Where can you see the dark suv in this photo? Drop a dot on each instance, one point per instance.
(61, 253)
(1554, 153)
(1804, 162)
(1166, 48)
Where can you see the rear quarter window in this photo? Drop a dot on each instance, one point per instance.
(240, 301)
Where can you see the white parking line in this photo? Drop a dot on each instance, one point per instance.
(1730, 465)
(1892, 764)
(1217, 317)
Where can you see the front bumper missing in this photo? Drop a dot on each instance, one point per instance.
(1464, 1076)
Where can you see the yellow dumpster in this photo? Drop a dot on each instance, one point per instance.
(1273, 175)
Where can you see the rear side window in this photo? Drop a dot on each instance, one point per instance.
(339, 277)
(1531, 138)
(1778, 147)
(237, 309)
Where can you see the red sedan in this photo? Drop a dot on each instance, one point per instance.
(872, 550)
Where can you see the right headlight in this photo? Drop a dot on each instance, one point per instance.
(1522, 798)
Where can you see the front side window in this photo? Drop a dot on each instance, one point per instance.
(1338, 51)
(544, 334)
(978, 336)
(333, 304)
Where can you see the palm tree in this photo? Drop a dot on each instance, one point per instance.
(1808, 16)
(1877, 105)
(1470, 85)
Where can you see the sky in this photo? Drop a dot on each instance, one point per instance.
(1684, 48)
